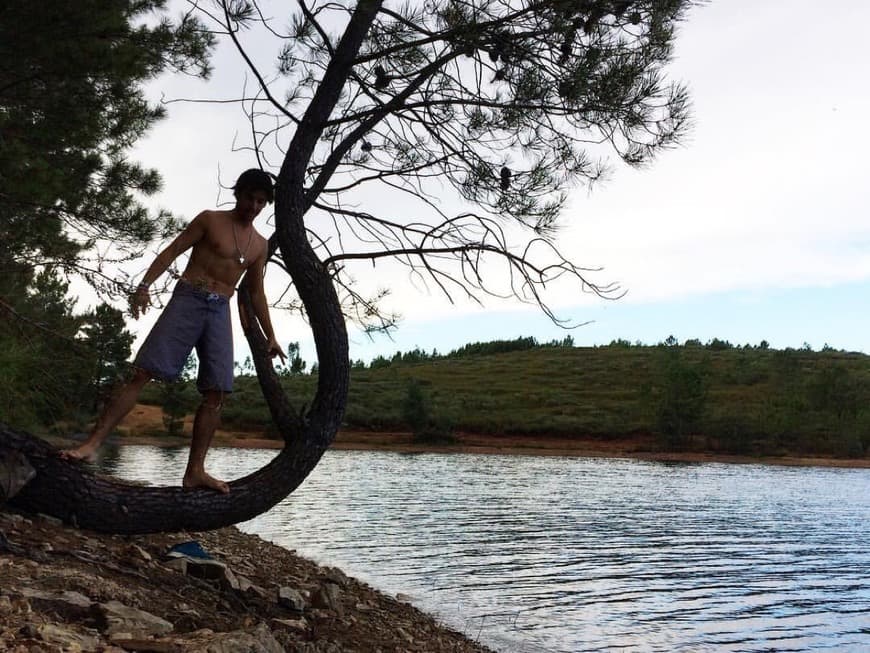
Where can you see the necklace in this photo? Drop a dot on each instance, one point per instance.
(239, 253)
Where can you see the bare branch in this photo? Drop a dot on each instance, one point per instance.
(231, 32)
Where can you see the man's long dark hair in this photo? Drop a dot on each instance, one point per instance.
(253, 180)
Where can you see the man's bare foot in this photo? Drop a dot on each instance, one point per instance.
(86, 453)
(192, 480)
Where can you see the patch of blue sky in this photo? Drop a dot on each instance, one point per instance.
(838, 316)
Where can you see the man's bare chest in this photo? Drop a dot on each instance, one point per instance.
(232, 244)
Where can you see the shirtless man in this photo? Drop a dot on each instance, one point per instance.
(225, 245)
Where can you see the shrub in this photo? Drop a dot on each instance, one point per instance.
(417, 414)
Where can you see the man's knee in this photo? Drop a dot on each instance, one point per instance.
(213, 400)
(138, 376)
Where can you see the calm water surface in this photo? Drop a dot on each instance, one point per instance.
(574, 554)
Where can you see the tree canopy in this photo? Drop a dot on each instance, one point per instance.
(71, 105)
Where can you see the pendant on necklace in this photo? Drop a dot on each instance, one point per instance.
(240, 255)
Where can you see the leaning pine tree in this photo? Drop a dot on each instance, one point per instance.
(509, 103)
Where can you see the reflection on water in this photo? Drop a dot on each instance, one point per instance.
(571, 554)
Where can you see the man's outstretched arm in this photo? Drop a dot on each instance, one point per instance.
(192, 233)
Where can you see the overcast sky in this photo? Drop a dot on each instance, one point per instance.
(755, 229)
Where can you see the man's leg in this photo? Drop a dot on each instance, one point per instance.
(208, 417)
(117, 408)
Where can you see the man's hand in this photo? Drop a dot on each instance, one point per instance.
(140, 300)
(274, 349)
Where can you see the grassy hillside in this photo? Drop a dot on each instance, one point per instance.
(714, 397)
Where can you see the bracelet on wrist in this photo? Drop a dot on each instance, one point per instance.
(143, 286)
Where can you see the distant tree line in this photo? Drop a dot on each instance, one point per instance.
(712, 396)
(755, 400)
(417, 355)
(526, 343)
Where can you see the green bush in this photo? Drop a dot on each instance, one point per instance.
(417, 414)
(680, 399)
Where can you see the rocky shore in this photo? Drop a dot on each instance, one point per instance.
(64, 589)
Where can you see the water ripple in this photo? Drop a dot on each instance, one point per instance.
(566, 554)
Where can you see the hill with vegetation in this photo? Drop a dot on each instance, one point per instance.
(710, 396)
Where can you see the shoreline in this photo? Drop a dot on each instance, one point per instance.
(635, 448)
(144, 426)
(144, 422)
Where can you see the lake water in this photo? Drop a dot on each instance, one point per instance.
(563, 555)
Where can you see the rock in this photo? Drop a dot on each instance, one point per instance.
(30, 630)
(67, 639)
(178, 564)
(119, 618)
(328, 596)
(327, 647)
(318, 614)
(249, 589)
(13, 518)
(135, 553)
(9, 547)
(299, 626)
(15, 472)
(404, 635)
(290, 598)
(184, 608)
(199, 568)
(337, 576)
(403, 598)
(51, 521)
(230, 579)
(147, 645)
(259, 640)
(72, 606)
(243, 585)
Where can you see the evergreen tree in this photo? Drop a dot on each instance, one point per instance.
(681, 397)
(110, 343)
(43, 363)
(297, 365)
(71, 105)
(417, 413)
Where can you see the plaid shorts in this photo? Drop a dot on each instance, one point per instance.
(193, 318)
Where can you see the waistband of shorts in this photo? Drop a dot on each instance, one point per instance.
(194, 289)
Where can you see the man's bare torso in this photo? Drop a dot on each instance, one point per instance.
(226, 249)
